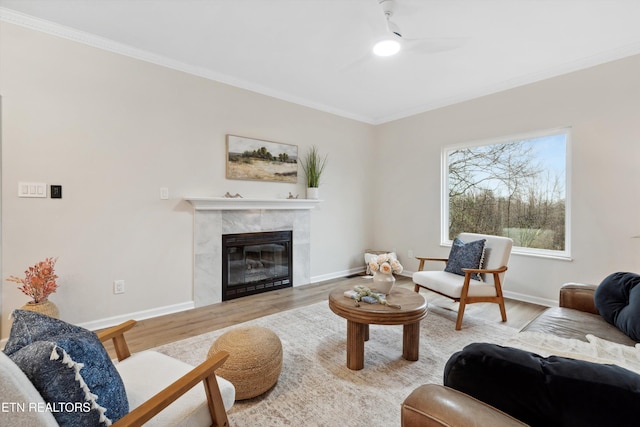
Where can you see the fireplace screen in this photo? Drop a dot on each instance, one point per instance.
(255, 262)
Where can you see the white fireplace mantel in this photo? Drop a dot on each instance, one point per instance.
(228, 203)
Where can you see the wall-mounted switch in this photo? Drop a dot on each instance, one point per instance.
(56, 191)
(32, 189)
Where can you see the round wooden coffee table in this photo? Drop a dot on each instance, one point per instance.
(413, 310)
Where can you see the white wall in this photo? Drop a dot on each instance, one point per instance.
(112, 130)
(602, 104)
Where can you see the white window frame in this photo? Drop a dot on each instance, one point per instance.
(444, 202)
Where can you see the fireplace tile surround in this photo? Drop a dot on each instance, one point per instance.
(212, 220)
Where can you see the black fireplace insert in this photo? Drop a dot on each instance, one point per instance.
(253, 263)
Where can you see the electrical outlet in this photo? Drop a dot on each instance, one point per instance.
(118, 286)
(164, 193)
(410, 253)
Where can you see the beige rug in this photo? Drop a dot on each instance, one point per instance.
(316, 388)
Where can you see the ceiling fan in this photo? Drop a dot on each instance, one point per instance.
(389, 45)
(395, 40)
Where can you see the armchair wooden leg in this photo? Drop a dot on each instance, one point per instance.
(460, 315)
(416, 288)
(503, 310)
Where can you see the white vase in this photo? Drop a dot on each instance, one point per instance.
(313, 193)
(383, 282)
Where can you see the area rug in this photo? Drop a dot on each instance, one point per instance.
(316, 388)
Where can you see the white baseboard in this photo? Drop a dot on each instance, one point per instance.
(138, 315)
(337, 274)
(528, 298)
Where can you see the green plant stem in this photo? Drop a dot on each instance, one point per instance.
(313, 166)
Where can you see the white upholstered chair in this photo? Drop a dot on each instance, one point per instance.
(161, 390)
(154, 381)
(465, 289)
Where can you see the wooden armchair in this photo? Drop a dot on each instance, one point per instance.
(144, 370)
(467, 290)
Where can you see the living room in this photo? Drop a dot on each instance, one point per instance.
(112, 129)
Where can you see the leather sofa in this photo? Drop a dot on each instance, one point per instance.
(437, 405)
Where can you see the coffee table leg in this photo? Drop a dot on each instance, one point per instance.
(355, 344)
(411, 341)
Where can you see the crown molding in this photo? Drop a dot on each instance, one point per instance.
(58, 30)
(566, 68)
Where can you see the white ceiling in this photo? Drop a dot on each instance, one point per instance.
(316, 52)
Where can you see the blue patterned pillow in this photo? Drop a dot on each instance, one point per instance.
(70, 368)
(465, 255)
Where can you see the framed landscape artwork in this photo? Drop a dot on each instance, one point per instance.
(255, 159)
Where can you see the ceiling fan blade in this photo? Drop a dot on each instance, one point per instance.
(434, 44)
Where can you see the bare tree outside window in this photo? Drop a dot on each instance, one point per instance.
(515, 189)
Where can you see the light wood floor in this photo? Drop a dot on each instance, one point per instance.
(165, 329)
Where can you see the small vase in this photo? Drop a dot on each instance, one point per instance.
(383, 282)
(313, 193)
(43, 307)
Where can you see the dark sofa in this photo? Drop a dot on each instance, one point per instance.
(484, 382)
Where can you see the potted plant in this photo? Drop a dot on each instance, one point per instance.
(39, 282)
(313, 165)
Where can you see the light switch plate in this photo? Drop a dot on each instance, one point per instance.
(32, 189)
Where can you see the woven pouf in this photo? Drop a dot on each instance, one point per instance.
(255, 359)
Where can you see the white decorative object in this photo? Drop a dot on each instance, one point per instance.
(383, 282)
(313, 193)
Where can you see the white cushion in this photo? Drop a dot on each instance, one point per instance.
(146, 373)
(23, 405)
(497, 251)
(451, 284)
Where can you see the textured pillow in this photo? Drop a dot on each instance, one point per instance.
(465, 255)
(617, 299)
(70, 368)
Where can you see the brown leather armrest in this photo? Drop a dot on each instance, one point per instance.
(578, 296)
(433, 405)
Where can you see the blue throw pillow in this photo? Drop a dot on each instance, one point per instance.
(617, 299)
(465, 255)
(70, 368)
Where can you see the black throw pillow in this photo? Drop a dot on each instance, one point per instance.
(617, 299)
(546, 391)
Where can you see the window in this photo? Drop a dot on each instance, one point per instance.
(515, 187)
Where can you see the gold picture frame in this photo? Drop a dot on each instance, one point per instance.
(260, 160)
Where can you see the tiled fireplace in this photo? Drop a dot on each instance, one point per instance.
(216, 217)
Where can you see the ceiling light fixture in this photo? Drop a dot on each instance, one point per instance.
(386, 48)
